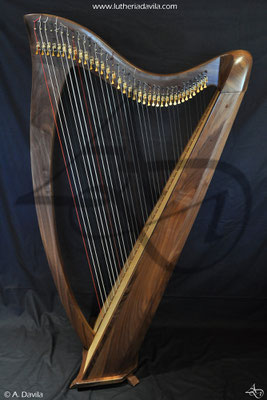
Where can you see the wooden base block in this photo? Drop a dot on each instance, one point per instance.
(81, 382)
(132, 379)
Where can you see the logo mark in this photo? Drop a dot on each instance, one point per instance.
(257, 393)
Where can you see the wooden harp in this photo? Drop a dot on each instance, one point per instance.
(142, 146)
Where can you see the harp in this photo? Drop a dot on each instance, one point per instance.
(135, 152)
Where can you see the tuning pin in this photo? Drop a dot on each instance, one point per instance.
(107, 72)
(186, 95)
(179, 98)
(48, 48)
(144, 98)
(119, 83)
(154, 99)
(158, 101)
(58, 49)
(190, 93)
(54, 46)
(134, 94)
(124, 88)
(80, 56)
(130, 91)
(91, 63)
(37, 48)
(43, 48)
(64, 50)
(102, 68)
(96, 65)
(86, 57)
(167, 101)
(149, 98)
(69, 51)
(171, 100)
(74, 54)
(113, 77)
(205, 82)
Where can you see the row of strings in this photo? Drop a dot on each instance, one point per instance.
(118, 157)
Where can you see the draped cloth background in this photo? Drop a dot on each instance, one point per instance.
(208, 339)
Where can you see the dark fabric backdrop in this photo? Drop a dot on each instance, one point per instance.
(208, 339)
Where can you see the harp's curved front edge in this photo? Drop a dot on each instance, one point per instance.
(42, 132)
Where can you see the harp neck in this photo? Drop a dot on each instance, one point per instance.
(60, 38)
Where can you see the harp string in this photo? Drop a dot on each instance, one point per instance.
(117, 231)
(197, 108)
(140, 154)
(177, 112)
(174, 145)
(204, 101)
(147, 163)
(164, 136)
(104, 201)
(150, 146)
(154, 152)
(151, 162)
(127, 199)
(165, 166)
(116, 214)
(201, 104)
(187, 122)
(177, 132)
(128, 163)
(87, 166)
(88, 170)
(126, 143)
(135, 159)
(165, 144)
(75, 176)
(63, 154)
(108, 178)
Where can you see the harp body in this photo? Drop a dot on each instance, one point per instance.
(111, 344)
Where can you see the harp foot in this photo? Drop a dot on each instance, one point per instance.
(86, 383)
(104, 377)
(132, 380)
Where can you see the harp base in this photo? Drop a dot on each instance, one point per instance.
(81, 382)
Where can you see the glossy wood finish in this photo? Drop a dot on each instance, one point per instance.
(152, 79)
(111, 346)
(42, 132)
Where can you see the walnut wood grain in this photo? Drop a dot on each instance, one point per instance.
(112, 345)
(42, 130)
(119, 344)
